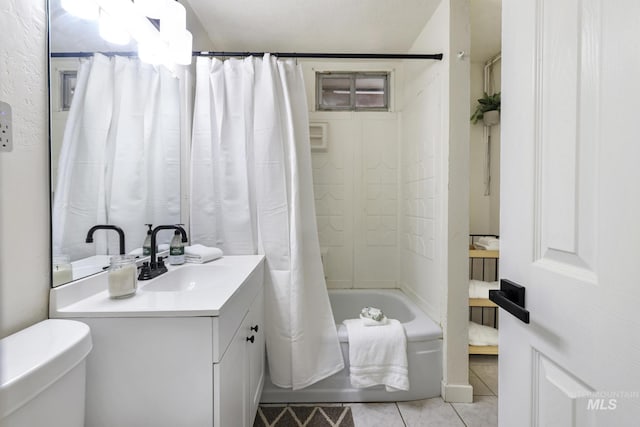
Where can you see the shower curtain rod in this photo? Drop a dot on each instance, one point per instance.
(435, 56)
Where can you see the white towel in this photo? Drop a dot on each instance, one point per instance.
(488, 243)
(199, 254)
(138, 251)
(378, 355)
(480, 289)
(482, 334)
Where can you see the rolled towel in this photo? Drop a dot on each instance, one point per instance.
(372, 313)
(366, 321)
(199, 254)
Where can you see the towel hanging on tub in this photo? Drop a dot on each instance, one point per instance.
(378, 355)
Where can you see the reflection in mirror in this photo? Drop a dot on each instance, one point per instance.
(115, 142)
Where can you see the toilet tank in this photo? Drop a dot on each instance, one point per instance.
(42, 375)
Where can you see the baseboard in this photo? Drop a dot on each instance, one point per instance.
(457, 393)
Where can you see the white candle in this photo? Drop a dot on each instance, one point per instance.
(62, 273)
(123, 281)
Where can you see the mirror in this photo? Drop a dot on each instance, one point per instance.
(117, 133)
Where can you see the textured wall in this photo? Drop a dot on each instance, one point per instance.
(24, 188)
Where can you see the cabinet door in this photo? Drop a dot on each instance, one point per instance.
(230, 382)
(255, 355)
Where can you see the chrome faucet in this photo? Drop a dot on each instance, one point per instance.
(155, 267)
(117, 229)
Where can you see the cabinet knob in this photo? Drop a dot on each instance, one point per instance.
(251, 338)
(254, 328)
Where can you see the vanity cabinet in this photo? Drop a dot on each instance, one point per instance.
(239, 377)
(179, 366)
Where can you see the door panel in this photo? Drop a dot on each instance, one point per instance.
(570, 193)
(567, 125)
(558, 397)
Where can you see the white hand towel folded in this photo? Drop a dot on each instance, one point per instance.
(378, 355)
(480, 289)
(199, 254)
(482, 334)
(488, 243)
(161, 248)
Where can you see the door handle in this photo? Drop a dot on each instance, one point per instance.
(510, 297)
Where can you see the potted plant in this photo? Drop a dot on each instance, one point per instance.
(488, 109)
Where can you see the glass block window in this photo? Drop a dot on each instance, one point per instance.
(339, 91)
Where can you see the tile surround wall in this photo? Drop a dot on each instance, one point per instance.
(356, 192)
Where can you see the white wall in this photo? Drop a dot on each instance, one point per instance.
(24, 182)
(456, 380)
(494, 204)
(435, 190)
(484, 211)
(356, 185)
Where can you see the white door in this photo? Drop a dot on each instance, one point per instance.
(570, 212)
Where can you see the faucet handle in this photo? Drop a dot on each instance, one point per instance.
(145, 271)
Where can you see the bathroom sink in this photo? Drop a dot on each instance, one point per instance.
(183, 291)
(185, 278)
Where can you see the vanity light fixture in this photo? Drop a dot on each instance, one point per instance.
(81, 8)
(111, 30)
(152, 8)
(121, 19)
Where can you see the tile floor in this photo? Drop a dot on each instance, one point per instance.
(483, 376)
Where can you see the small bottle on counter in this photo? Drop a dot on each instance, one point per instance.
(123, 276)
(146, 246)
(62, 272)
(176, 249)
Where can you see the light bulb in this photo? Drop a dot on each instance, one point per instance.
(85, 9)
(180, 48)
(152, 53)
(111, 30)
(173, 21)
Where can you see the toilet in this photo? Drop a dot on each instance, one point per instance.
(42, 375)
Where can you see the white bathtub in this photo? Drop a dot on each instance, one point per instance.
(424, 348)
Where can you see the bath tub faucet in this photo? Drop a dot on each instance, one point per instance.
(156, 267)
(117, 229)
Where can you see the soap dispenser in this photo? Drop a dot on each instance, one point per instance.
(146, 246)
(176, 249)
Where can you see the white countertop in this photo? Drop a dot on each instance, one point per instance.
(89, 297)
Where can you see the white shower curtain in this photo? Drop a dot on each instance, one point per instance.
(120, 156)
(252, 190)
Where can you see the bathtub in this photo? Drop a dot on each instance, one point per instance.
(424, 351)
